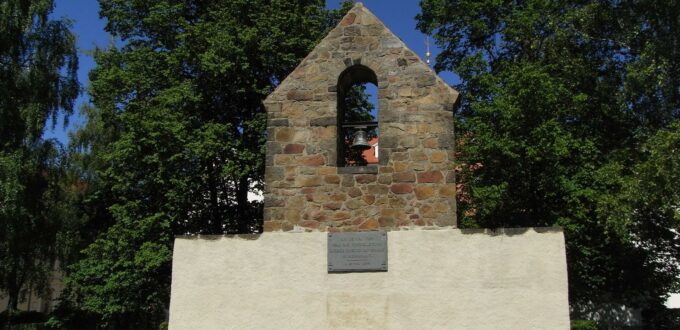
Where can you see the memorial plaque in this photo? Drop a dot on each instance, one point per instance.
(357, 252)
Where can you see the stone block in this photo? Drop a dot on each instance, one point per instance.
(354, 204)
(408, 142)
(446, 141)
(400, 166)
(369, 224)
(324, 133)
(417, 155)
(332, 179)
(347, 180)
(348, 19)
(404, 177)
(385, 178)
(431, 143)
(448, 190)
(313, 160)
(389, 142)
(326, 170)
(438, 156)
(338, 197)
(400, 156)
(273, 173)
(323, 121)
(309, 181)
(293, 148)
(307, 170)
(310, 224)
(300, 95)
(365, 178)
(430, 177)
(352, 31)
(285, 134)
(401, 188)
(277, 122)
(293, 216)
(450, 177)
(369, 199)
(354, 192)
(377, 189)
(424, 192)
(332, 206)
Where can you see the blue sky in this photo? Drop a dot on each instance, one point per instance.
(398, 16)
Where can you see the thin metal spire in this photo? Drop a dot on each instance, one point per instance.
(427, 53)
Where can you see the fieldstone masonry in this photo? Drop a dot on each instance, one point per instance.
(414, 183)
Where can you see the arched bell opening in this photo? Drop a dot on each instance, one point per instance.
(358, 131)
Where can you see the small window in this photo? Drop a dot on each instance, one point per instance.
(358, 138)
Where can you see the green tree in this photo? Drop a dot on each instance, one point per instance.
(559, 98)
(175, 138)
(38, 63)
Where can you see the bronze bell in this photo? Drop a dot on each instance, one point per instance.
(360, 142)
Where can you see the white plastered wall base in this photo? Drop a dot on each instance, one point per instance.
(437, 279)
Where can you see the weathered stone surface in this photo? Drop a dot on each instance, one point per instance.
(448, 190)
(354, 192)
(378, 189)
(309, 181)
(343, 215)
(431, 143)
(324, 121)
(348, 180)
(313, 160)
(298, 95)
(353, 204)
(438, 156)
(293, 148)
(369, 224)
(277, 122)
(365, 178)
(348, 19)
(414, 170)
(451, 177)
(430, 177)
(285, 134)
(404, 177)
(332, 179)
(326, 170)
(424, 192)
(333, 206)
(400, 156)
(401, 188)
(385, 178)
(369, 199)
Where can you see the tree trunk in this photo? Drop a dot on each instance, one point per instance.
(243, 207)
(13, 286)
(215, 216)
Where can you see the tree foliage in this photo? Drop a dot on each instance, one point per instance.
(569, 111)
(38, 66)
(175, 137)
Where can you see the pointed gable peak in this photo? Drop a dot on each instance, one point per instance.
(360, 38)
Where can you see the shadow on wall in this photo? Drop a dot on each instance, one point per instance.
(610, 316)
(510, 231)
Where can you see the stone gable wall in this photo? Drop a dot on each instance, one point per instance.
(414, 183)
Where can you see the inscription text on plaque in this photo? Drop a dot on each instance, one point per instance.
(357, 252)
